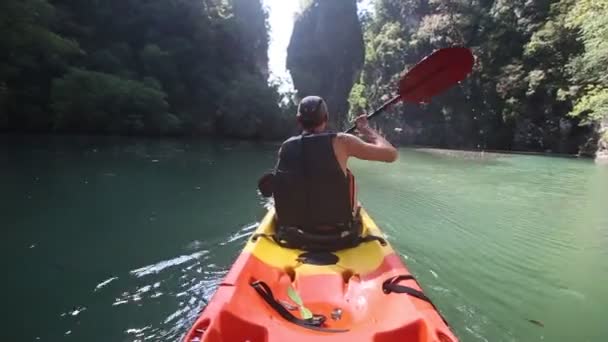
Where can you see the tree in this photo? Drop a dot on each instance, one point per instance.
(88, 101)
(529, 55)
(589, 71)
(128, 66)
(33, 54)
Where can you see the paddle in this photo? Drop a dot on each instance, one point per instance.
(432, 75)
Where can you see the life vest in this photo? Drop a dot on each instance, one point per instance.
(309, 187)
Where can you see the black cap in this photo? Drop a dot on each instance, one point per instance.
(312, 110)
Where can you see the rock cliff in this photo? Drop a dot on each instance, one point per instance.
(326, 54)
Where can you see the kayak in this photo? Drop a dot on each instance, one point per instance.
(364, 293)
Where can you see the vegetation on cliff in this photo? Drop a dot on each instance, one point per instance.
(539, 82)
(201, 67)
(136, 67)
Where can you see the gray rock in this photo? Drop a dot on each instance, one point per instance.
(326, 54)
(601, 157)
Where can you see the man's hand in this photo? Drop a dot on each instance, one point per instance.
(364, 129)
(362, 123)
(376, 147)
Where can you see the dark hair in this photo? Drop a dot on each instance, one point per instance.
(312, 112)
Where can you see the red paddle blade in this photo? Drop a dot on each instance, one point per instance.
(435, 73)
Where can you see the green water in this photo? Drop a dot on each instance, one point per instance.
(120, 240)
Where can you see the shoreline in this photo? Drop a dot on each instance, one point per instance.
(492, 151)
(600, 159)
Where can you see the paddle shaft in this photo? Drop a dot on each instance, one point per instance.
(380, 109)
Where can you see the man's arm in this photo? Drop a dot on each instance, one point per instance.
(376, 148)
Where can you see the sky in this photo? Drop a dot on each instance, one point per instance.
(281, 19)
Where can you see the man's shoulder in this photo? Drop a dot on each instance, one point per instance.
(344, 142)
(345, 138)
(290, 139)
(290, 143)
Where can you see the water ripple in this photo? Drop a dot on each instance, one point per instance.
(159, 266)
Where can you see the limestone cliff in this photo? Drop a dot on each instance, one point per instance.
(326, 53)
(601, 156)
(253, 34)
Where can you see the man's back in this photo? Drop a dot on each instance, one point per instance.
(311, 189)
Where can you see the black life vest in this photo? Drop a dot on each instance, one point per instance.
(309, 187)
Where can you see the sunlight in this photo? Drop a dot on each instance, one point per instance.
(281, 19)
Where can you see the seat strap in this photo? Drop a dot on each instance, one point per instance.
(285, 244)
(271, 237)
(370, 238)
(392, 285)
(255, 237)
(314, 323)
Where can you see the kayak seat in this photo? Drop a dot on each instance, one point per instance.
(318, 258)
(296, 238)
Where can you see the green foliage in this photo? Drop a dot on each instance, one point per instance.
(589, 71)
(593, 105)
(92, 101)
(26, 30)
(357, 100)
(249, 109)
(388, 47)
(32, 55)
(131, 66)
(176, 67)
(540, 68)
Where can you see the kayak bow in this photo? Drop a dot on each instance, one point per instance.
(364, 293)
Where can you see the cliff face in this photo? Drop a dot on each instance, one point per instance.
(252, 33)
(601, 156)
(522, 93)
(326, 53)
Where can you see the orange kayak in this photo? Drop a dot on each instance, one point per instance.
(276, 294)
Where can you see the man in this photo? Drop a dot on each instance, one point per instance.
(314, 191)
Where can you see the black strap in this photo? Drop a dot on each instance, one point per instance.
(370, 238)
(255, 237)
(314, 323)
(297, 245)
(304, 170)
(273, 238)
(392, 285)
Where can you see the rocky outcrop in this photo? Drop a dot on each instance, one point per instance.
(554, 135)
(601, 157)
(252, 33)
(326, 53)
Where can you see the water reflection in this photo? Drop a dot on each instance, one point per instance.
(184, 284)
